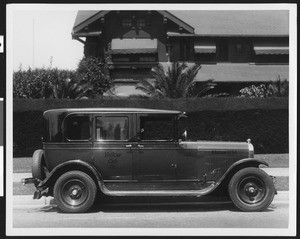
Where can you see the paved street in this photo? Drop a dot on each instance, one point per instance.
(154, 213)
(28, 213)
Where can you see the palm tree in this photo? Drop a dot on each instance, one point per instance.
(69, 89)
(177, 82)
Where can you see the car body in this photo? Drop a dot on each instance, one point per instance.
(140, 152)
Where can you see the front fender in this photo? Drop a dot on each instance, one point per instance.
(76, 164)
(243, 163)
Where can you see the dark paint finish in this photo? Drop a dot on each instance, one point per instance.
(132, 165)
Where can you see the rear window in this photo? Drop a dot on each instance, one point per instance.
(77, 127)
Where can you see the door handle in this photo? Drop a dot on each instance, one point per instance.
(174, 165)
(140, 146)
(128, 145)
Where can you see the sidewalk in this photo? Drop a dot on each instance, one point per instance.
(277, 172)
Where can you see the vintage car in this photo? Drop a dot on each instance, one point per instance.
(140, 152)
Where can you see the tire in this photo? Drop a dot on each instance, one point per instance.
(38, 165)
(75, 192)
(251, 190)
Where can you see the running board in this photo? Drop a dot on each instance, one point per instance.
(187, 193)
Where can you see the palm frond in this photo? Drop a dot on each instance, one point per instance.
(205, 86)
(149, 89)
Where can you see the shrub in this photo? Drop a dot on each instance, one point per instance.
(38, 83)
(280, 88)
(275, 89)
(255, 91)
(94, 72)
(91, 79)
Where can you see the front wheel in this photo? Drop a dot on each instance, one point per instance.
(75, 192)
(251, 189)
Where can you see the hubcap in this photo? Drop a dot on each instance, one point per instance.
(74, 192)
(251, 190)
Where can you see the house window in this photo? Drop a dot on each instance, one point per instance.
(141, 23)
(135, 58)
(111, 128)
(121, 58)
(185, 50)
(147, 59)
(222, 50)
(127, 22)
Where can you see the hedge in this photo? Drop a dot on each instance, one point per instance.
(187, 105)
(264, 121)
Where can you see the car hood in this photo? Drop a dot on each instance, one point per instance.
(214, 145)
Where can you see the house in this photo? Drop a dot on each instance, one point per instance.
(236, 48)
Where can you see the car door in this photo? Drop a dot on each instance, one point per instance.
(155, 152)
(111, 146)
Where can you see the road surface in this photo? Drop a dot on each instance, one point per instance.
(167, 213)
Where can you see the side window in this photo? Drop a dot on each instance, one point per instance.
(156, 128)
(111, 128)
(77, 127)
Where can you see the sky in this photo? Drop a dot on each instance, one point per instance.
(39, 36)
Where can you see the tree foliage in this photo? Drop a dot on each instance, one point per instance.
(91, 79)
(94, 72)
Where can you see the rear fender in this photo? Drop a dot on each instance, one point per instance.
(76, 164)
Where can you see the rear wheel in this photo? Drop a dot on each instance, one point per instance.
(251, 189)
(75, 192)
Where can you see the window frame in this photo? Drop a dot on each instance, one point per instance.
(138, 127)
(65, 128)
(111, 140)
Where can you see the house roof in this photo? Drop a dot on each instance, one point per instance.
(237, 22)
(84, 18)
(215, 22)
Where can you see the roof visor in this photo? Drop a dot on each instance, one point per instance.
(133, 46)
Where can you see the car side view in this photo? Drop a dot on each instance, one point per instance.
(140, 152)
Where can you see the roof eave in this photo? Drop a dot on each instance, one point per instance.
(88, 21)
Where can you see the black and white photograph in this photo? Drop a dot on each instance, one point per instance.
(151, 119)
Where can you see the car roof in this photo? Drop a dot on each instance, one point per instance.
(112, 110)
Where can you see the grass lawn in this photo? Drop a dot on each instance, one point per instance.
(275, 160)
